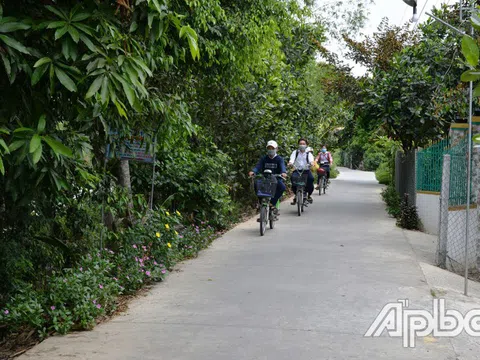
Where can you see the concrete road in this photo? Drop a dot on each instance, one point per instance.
(309, 289)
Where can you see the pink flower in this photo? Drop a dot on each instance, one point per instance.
(81, 269)
(94, 301)
(100, 286)
(155, 263)
(6, 312)
(52, 307)
(180, 236)
(99, 306)
(161, 265)
(136, 259)
(190, 247)
(164, 271)
(134, 246)
(115, 279)
(144, 248)
(147, 273)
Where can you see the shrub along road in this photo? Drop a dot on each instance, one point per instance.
(309, 289)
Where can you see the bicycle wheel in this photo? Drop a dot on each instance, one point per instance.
(299, 202)
(320, 183)
(271, 218)
(263, 220)
(325, 184)
(304, 198)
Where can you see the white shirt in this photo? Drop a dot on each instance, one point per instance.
(302, 161)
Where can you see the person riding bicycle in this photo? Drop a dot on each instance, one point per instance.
(302, 160)
(276, 164)
(325, 160)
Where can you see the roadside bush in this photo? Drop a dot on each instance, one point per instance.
(384, 174)
(372, 159)
(334, 171)
(392, 200)
(408, 217)
(73, 298)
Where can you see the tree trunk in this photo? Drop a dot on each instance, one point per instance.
(125, 181)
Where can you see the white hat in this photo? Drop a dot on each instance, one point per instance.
(272, 143)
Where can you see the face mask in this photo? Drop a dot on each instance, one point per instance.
(302, 147)
(324, 151)
(271, 152)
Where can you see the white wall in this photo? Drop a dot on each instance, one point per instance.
(428, 207)
(456, 239)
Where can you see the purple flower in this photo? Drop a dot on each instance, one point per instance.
(144, 248)
(134, 246)
(164, 271)
(161, 265)
(147, 273)
(136, 259)
(52, 307)
(180, 236)
(6, 312)
(155, 263)
(99, 306)
(190, 247)
(81, 269)
(100, 286)
(94, 301)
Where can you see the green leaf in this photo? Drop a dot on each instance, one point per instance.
(88, 42)
(475, 21)
(57, 147)
(41, 123)
(84, 28)
(476, 138)
(4, 131)
(37, 154)
(13, 26)
(2, 168)
(58, 12)
(56, 24)
(14, 44)
(38, 74)
(80, 16)
(23, 129)
(35, 143)
(74, 34)
(104, 93)
(133, 26)
(192, 37)
(6, 63)
(120, 108)
(470, 75)
(4, 145)
(16, 145)
(470, 50)
(60, 32)
(44, 60)
(94, 87)
(65, 80)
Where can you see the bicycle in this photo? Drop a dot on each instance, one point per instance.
(299, 179)
(323, 181)
(266, 187)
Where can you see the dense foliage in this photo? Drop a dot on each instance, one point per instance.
(208, 82)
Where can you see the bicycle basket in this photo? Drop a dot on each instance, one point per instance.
(299, 180)
(266, 187)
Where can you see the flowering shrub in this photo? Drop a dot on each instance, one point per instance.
(75, 297)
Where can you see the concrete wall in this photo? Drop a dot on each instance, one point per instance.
(456, 239)
(428, 206)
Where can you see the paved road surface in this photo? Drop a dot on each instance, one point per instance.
(307, 290)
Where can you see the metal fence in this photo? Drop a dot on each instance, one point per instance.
(457, 246)
(429, 166)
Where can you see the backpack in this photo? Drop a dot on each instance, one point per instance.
(296, 155)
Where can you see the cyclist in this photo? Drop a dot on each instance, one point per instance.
(325, 160)
(273, 162)
(302, 160)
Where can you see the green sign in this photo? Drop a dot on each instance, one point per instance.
(476, 139)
